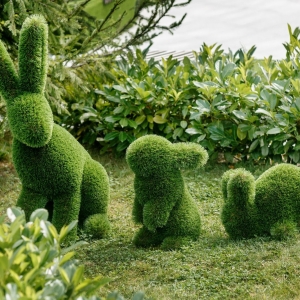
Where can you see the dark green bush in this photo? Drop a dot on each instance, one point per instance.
(226, 102)
(146, 97)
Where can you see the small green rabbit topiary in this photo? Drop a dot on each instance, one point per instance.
(268, 206)
(55, 170)
(162, 202)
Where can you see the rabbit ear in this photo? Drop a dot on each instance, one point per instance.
(189, 155)
(33, 52)
(8, 75)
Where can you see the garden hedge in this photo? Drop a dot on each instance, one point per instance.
(227, 102)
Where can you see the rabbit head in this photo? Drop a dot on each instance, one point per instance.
(152, 155)
(29, 113)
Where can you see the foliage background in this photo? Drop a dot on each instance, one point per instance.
(81, 46)
(227, 102)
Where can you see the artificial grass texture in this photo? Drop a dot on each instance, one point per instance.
(55, 170)
(162, 202)
(268, 206)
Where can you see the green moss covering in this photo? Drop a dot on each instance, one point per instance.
(162, 204)
(55, 170)
(268, 206)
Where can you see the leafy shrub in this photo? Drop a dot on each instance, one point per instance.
(146, 97)
(34, 266)
(227, 102)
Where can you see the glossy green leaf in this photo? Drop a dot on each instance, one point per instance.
(263, 111)
(41, 214)
(265, 150)
(239, 114)
(183, 124)
(228, 70)
(253, 145)
(140, 119)
(275, 130)
(123, 122)
(241, 134)
(132, 123)
(193, 131)
(111, 136)
(112, 119)
(118, 110)
(177, 132)
(159, 119)
(216, 133)
(120, 88)
(122, 136)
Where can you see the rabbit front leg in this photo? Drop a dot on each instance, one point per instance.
(30, 200)
(146, 238)
(65, 210)
(158, 196)
(156, 215)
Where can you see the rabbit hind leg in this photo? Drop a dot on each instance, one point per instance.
(94, 200)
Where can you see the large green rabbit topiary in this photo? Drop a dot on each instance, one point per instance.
(268, 206)
(162, 202)
(55, 170)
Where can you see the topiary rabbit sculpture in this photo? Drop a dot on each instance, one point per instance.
(55, 170)
(162, 201)
(268, 206)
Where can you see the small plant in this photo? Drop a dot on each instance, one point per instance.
(35, 267)
(267, 206)
(33, 264)
(163, 204)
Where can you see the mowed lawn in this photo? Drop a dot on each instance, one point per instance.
(214, 267)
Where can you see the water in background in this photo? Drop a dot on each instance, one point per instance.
(234, 24)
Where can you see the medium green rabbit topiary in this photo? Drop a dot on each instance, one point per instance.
(162, 202)
(268, 206)
(55, 170)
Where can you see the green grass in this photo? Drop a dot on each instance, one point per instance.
(212, 268)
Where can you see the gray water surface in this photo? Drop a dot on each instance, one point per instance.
(234, 24)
